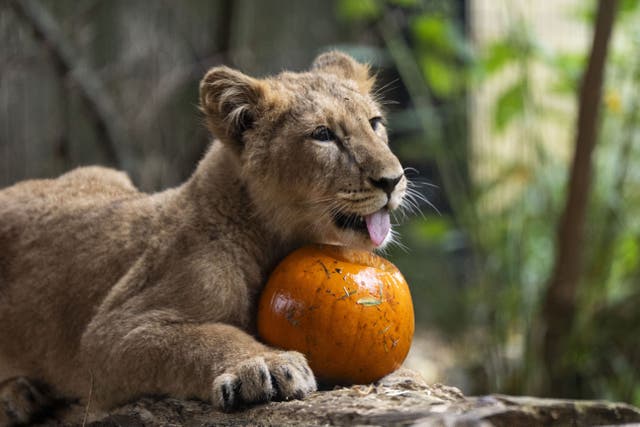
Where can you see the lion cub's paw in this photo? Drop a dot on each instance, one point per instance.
(273, 376)
(21, 401)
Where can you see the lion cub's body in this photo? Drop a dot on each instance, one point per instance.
(103, 287)
(68, 242)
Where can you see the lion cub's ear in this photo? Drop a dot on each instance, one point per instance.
(230, 101)
(344, 66)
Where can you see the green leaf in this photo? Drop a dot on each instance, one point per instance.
(628, 7)
(569, 67)
(433, 33)
(404, 3)
(510, 105)
(498, 55)
(440, 76)
(434, 229)
(518, 46)
(359, 10)
(629, 254)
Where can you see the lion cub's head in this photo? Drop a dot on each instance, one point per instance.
(313, 149)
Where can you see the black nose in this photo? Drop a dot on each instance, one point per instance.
(386, 184)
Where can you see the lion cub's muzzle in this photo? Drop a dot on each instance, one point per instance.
(376, 223)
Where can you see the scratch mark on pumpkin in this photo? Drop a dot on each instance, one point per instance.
(290, 316)
(381, 292)
(324, 267)
(384, 331)
(348, 293)
(369, 301)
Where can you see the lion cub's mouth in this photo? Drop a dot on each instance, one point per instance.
(375, 225)
(350, 221)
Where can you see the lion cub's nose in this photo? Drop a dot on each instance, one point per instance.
(386, 184)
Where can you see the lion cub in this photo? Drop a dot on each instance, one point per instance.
(103, 287)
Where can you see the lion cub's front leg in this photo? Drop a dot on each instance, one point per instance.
(159, 353)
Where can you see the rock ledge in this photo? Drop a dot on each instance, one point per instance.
(401, 399)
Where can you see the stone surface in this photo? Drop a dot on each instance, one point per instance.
(401, 399)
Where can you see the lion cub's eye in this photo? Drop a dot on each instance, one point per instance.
(324, 134)
(375, 122)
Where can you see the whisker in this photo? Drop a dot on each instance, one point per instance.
(413, 207)
(396, 213)
(418, 184)
(416, 198)
(412, 170)
(434, 207)
(416, 194)
(318, 201)
(396, 241)
(387, 102)
(387, 86)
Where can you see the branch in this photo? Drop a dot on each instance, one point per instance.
(560, 300)
(110, 127)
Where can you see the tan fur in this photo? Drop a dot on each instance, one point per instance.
(155, 294)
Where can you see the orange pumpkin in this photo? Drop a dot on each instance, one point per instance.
(349, 311)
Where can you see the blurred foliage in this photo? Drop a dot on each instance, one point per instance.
(484, 263)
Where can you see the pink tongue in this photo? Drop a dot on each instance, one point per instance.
(378, 224)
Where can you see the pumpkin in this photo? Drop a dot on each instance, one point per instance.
(349, 311)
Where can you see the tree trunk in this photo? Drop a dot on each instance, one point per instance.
(559, 306)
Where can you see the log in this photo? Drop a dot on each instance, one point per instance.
(401, 399)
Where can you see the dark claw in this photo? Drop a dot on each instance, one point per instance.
(11, 414)
(226, 396)
(276, 386)
(287, 374)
